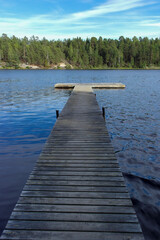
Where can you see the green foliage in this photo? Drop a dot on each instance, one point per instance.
(68, 67)
(81, 54)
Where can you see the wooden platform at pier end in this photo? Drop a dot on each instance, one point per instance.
(90, 85)
(76, 190)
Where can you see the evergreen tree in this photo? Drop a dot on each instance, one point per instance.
(89, 53)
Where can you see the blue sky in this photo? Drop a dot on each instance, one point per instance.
(59, 19)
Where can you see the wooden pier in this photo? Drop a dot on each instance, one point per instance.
(76, 190)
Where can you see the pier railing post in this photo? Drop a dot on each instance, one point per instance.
(57, 113)
(103, 113)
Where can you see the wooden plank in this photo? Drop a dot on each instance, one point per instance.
(76, 141)
(76, 158)
(77, 173)
(76, 183)
(64, 194)
(76, 178)
(75, 169)
(73, 226)
(75, 201)
(92, 165)
(74, 208)
(78, 151)
(67, 235)
(80, 162)
(78, 188)
(78, 217)
(80, 154)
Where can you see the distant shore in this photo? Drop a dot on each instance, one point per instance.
(12, 68)
(64, 66)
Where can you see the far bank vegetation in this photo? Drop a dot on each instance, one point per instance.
(139, 53)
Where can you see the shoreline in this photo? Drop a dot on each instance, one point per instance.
(101, 69)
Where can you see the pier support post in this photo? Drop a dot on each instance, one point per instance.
(103, 113)
(57, 113)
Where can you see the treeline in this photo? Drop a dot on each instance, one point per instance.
(89, 53)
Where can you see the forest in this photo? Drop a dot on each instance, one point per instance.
(77, 53)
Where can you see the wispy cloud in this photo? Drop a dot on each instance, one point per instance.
(82, 23)
(109, 7)
(150, 23)
(154, 25)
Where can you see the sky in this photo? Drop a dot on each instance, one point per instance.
(60, 19)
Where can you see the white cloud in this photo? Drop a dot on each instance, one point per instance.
(150, 23)
(111, 6)
(154, 25)
(85, 24)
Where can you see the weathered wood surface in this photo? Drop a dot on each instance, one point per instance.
(89, 86)
(76, 189)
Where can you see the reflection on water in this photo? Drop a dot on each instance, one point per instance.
(28, 103)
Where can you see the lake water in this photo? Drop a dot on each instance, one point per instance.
(28, 103)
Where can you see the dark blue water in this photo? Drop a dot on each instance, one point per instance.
(27, 114)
